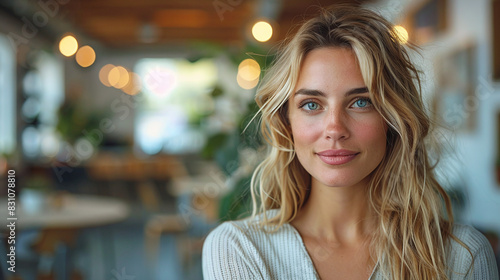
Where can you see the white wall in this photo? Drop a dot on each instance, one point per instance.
(473, 162)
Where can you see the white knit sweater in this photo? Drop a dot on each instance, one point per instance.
(240, 250)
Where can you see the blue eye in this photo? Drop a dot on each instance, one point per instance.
(311, 106)
(362, 103)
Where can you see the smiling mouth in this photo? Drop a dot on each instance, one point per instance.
(337, 157)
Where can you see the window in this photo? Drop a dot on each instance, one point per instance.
(177, 95)
(43, 93)
(7, 97)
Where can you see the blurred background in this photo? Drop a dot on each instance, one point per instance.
(125, 125)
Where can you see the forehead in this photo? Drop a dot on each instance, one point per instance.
(329, 68)
(331, 54)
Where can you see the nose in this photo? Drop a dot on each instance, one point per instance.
(336, 126)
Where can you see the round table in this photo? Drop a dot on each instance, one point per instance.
(68, 211)
(59, 217)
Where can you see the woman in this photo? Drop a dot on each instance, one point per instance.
(347, 190)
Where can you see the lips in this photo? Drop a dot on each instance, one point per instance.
(337, 157)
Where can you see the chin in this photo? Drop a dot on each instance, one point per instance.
(342, 180)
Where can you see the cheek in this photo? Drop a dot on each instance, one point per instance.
(373, 134)
(305, 132)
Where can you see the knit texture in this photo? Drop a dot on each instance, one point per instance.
(241, 250)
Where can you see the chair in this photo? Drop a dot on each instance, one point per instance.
(197, 213)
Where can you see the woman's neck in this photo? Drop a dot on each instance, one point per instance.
(334, 214)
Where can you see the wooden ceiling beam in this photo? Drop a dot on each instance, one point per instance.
(118, 22)
(207, 5)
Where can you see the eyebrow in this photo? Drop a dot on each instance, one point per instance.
(315, 92)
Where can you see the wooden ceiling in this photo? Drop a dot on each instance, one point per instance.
(132, 23)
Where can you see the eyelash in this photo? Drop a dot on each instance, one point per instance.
(367, 99)
(307, 101)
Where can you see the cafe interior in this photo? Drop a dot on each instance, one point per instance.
(126, 130)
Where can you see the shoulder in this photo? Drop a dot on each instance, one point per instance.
(241, 231)
(233, 234)
(244, 250)
(476, 258)
(249, 235)
(239, 250)
(475, 241)
(228, 254)
(470, 236)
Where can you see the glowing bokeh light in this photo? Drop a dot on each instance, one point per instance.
(31, 108)
(85, 56)
(245, 84)
(31, 141)
(249, 69)
(118, 77)
(68, 45)
(401, 33)
(104, 74)
(83, 148)
(262, 31)
(134, 85)
(49, 144)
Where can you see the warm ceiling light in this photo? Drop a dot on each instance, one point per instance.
(249, 69)
(245, 84)
(104, 74)
(401, 33)
(85, 56)
(262, 31)
(118, 77)
(134, 84)
(68, 45)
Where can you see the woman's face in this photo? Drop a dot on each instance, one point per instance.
(339, 137)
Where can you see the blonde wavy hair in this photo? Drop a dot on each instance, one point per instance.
(413, 226)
